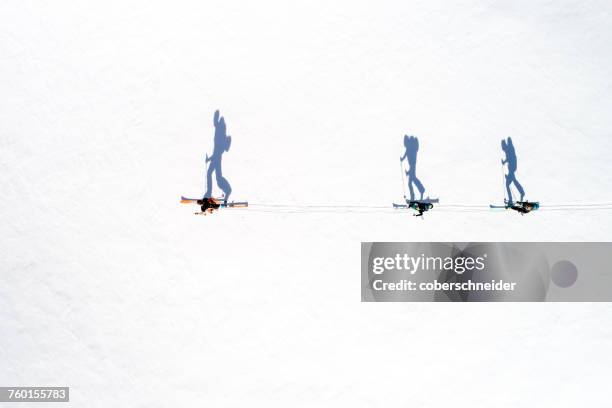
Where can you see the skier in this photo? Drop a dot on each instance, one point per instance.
(222, 144)
(412, 147)
(508, 149)
(420, 207)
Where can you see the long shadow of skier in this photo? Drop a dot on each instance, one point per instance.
(222, 144)
(510, 178)
(411, 143)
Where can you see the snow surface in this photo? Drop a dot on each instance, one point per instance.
(110, 286)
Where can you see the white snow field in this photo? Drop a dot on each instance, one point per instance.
(110, 286)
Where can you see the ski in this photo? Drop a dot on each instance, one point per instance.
(425, 201)
(208, 205)
(187, 200)
(235, 204)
